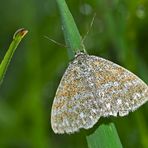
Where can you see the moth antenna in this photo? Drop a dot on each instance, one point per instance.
(90, 26)
(55, 42)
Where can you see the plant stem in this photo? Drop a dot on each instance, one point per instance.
(18, 36)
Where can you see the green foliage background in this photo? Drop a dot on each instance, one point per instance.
(119, 33)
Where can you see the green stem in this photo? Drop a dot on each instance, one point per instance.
(18, 36)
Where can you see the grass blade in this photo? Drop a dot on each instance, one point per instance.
(71, 33)
(18, 36)
(105, 135)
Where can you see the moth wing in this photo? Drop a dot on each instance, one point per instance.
(74, 105)
(91, 88)
(118, 90)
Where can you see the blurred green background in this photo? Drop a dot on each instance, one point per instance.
(119, 33)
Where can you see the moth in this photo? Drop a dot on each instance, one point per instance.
(93, 87)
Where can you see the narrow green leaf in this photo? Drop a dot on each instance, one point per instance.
(105, 136)
(18, 36)
(71, 33)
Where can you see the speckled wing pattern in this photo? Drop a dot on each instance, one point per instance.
(93, 87)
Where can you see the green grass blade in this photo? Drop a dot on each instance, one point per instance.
(71, 33)
(18, 36)
(105, 135)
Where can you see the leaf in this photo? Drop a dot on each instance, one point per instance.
(17, 37)
(105, 136)
(71, 33)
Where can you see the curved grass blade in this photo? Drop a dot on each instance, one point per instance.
(18, 36)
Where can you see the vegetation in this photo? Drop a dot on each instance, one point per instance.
(119, 33)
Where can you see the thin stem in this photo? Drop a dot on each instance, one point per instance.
(18, 36)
